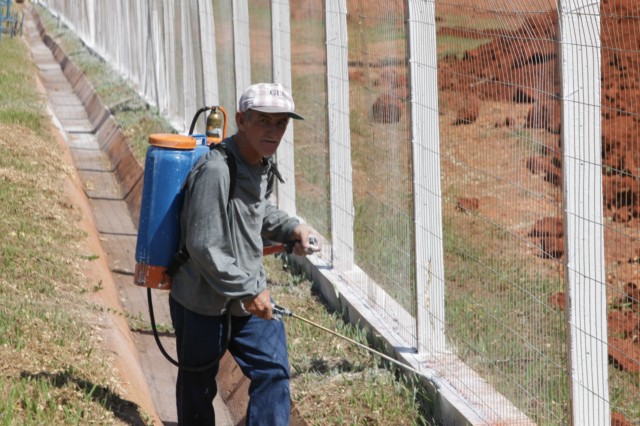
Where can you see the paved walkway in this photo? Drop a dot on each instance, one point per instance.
(117, 231)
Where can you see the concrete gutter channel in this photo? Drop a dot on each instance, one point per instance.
(112, 180)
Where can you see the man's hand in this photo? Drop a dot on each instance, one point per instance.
(260, 305)
(307, 240)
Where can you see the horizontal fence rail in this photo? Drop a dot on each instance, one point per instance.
(474, 166)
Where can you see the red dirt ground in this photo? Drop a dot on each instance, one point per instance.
(513, 69)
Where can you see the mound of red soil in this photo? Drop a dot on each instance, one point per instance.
(521, 67)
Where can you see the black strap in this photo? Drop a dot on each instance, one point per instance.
(272, 174)
(231, 163)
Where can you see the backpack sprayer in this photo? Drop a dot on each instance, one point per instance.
(169, 160)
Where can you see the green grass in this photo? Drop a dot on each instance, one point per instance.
(384, 248)
(54, 370)
(16, 107)
(456, 47)
(498, 336)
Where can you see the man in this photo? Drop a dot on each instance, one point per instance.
(223, 236)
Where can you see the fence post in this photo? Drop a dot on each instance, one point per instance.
(171, 78)
(423, 74)
(208, 51)
(582, 166)
(241, 47)
(91, 25)
(189, 74)
(281, 39)
(159, 88)
(339, 134)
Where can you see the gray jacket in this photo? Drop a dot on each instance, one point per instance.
(225, 243)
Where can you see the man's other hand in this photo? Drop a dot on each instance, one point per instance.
(260, 305)
(307, 240)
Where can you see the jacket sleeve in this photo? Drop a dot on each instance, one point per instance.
(277, 225)
(208, 235)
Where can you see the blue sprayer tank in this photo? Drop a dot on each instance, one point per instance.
(169, 159)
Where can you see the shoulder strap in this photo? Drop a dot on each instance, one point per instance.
(231, 163)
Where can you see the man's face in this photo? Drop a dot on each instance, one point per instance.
(263, 132)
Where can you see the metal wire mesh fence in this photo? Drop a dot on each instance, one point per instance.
(474, 166)
(308, 58)
(381, 147)
(260, 33)
(620, 172)
(497, 78)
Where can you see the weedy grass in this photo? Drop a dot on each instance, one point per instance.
(53, 368)
(333, 380)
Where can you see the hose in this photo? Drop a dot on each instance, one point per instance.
(198, 369)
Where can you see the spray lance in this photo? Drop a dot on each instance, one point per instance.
(280, 312)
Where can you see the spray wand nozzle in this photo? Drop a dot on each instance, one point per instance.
(279, 312)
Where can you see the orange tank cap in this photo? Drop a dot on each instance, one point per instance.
(173, 141)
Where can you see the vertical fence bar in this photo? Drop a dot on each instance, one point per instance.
(208, 52)
(172, 54)
(91, 16)
(281, 50)
(339, 134)
(120, 31)
(149, 72)
(137, 51)
(581, 142)
(423, 73)
(190, 73)
(159, 65)
(241, 46)
(134, 51)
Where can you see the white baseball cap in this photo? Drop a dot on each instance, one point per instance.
(270, 98)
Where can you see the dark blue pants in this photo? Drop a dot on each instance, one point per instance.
(258, 346)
